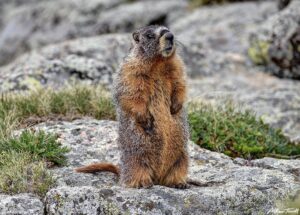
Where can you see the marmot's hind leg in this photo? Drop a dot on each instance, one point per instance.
(177, 174)
(137, 176)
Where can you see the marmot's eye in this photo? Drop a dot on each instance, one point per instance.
(150, 36)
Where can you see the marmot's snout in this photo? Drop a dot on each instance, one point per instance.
(169, 36)
(167, 43)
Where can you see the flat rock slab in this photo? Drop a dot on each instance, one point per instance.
(229, 186)
(26, 204)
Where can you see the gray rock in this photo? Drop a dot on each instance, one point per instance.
(276, 100)
(32, 26)
(7, 6)
(25, 203)
(128, 17)
(91, 60)
(283, 3)
(276, 43)
(209, 32)
(35, 25)
(228, 187)
(286, 166)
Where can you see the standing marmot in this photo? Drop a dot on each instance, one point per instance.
(153, 132)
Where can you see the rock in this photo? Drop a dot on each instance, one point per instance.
(81, 60)
(276, 43)
(204, 62)
(209, 32)
(228, 187)
(34, 26)
(276, 100)
(25, 203)
(141, 13)
(286, 166)
(91, 60)
(7, 6)
(283, 3)
(206, 27)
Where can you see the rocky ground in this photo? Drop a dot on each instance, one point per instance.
(230, 186)
(49, 43)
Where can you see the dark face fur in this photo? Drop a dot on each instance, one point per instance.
(154, 41)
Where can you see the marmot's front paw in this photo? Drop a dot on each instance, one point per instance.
(175, 108)
(147, 124)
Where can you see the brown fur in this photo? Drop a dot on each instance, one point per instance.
(96, 167)
(153, 132)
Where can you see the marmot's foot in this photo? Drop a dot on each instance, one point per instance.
(146, 184)
(181, 186)
(140, 179)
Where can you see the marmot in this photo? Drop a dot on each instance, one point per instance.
(149, 93)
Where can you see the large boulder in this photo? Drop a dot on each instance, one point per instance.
(276, 43)
(92, 60)
(229, 186)
(32, 26)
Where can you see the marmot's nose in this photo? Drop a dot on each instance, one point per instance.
(169, 36)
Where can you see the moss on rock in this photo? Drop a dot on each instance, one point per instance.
(258, 52)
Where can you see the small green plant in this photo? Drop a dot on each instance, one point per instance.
(236, 132)
(19, 173)
(40, 145)
(258, 52)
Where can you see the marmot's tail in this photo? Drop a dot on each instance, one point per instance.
(99, 167)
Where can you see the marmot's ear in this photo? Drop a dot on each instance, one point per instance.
(135, 36)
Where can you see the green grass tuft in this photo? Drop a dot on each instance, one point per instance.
(46, 104)
(19, 173)
(236, 132)
(40, 145)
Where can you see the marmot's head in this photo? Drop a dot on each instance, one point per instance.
(154, 41)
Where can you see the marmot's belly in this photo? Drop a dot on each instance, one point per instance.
(164, 122)
(172, 133)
